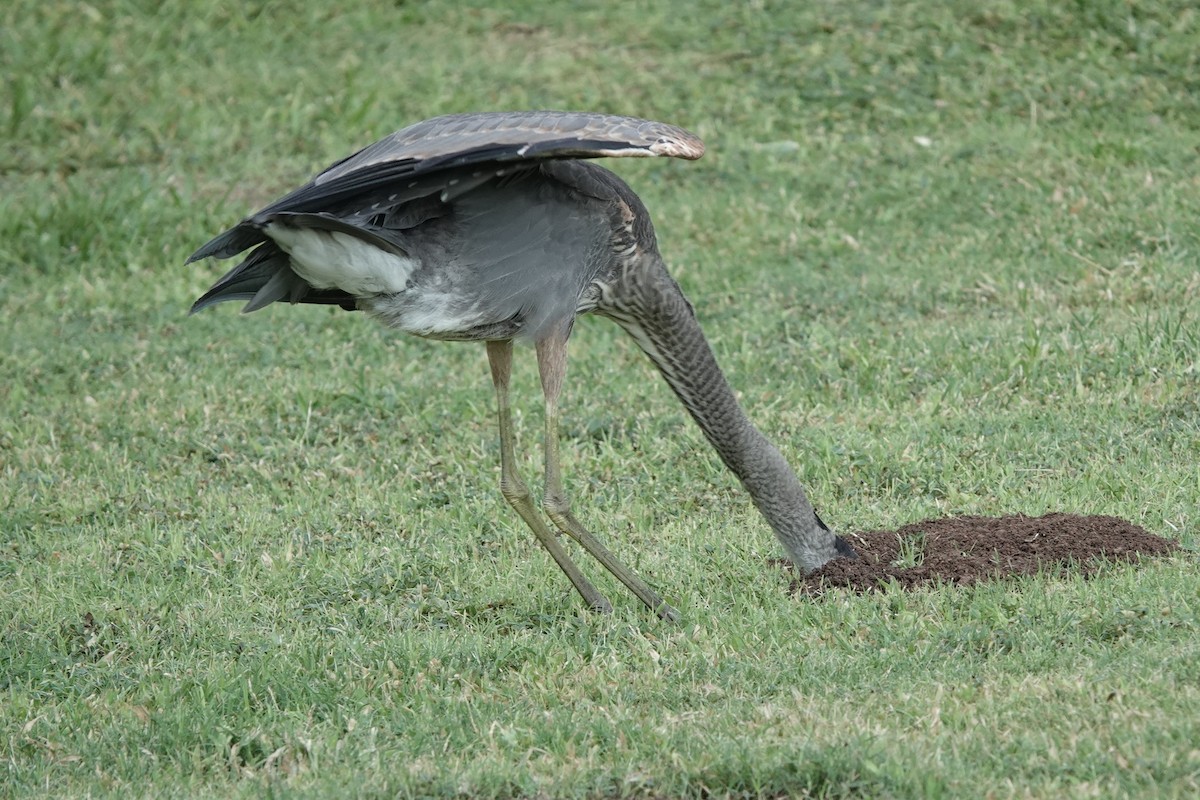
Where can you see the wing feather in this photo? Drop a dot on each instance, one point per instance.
(519, 135)
(446, 153)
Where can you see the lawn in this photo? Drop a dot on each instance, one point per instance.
(948, 254)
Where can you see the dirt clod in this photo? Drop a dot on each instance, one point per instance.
(966, 550)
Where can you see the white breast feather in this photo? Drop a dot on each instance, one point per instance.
(426, 312)
(336, 260)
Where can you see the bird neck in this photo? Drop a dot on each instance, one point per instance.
(649, 305)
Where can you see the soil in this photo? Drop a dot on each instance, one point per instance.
(967, 550)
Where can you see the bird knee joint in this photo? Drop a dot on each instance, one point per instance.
(515, 492)
(556, 505)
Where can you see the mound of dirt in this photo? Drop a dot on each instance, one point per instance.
(967, 550)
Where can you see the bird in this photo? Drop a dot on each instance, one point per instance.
(499, 227)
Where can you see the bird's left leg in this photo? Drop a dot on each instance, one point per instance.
(514, 489)
(552, 366)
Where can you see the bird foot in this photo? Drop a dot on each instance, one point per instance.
(667, 613)
(601, 606)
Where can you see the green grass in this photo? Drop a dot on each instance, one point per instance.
(947, 253)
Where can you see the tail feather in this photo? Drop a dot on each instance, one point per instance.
(265, 277)
(245, 280)
(283, 285)
(230, 243)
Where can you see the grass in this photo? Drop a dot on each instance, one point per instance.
(947, 252)
(912, 551)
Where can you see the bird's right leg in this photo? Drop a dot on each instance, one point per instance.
(552, 364)
(517, 493)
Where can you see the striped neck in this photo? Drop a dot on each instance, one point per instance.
(647, 303)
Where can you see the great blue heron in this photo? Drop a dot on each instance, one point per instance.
(489, 227)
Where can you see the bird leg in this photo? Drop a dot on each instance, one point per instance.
(517, 493)
(552, 366)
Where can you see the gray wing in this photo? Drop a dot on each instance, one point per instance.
(458, 139)
(447, 154)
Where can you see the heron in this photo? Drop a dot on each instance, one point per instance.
(497, 227)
